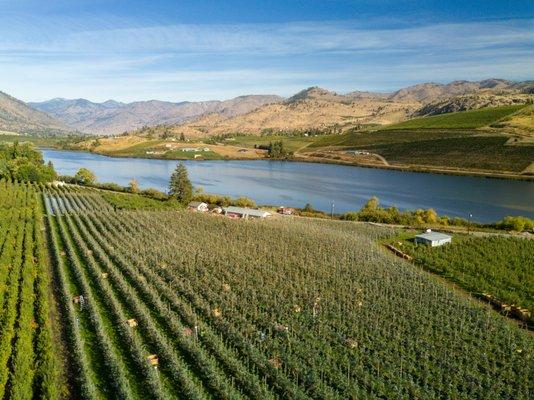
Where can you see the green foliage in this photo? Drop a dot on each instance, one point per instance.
(85, 176)
(277, 150)
(499, 266)
(283, 308)
(372, 212)
(23, 162)
(458, 120)
(127, 201)
(29, 365)
(133, 186)
(517, 223)
(180, 186)
(244, 202)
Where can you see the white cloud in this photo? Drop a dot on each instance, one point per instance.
(110, 58)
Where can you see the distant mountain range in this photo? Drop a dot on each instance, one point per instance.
(17, 116)
(112, 117)
(312, 108)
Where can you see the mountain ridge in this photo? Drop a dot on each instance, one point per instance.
(313, 108)
(17, 116)
(113, 117)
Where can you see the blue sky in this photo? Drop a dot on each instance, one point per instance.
(200, 50)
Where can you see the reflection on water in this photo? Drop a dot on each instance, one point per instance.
(296, 183)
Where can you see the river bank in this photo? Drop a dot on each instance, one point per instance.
(303, 157)
(296, 183)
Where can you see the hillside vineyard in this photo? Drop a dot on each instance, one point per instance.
(170, 304)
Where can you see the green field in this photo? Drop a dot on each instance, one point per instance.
(282, 308)
(502, 267)
(128, 201)
(463, 149)
(474, 152)
(51, 141)
(291, 143)
(29, 366)
(365, 139)
(458, 120)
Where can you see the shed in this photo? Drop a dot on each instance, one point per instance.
(242, 212)
(197, 206)
(285, 210)
(433, 239)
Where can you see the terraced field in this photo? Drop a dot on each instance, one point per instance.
(171, 304)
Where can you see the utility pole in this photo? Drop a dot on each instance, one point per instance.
(469, 222)
(332, 210)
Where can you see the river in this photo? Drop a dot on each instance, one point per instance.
(296, 183)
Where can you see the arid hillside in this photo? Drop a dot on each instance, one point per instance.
(317, 109)
(17, 116)
(311, 109)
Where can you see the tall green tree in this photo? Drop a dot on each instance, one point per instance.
(180, 186)
(85, 176)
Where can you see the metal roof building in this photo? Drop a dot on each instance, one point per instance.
(242, 212)
(433, 238)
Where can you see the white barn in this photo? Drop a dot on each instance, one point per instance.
(433, 239)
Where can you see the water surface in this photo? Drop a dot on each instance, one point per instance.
(296, 183)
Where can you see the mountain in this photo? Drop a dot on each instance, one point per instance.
(471, 101)
(112, 117)
(316, 108)
(17, 116)
(311, 109)
(431, 92)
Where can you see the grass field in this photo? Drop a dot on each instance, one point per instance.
(291, 143)
(364, 139)
(499, 266)
(283, 308)
(458, 120)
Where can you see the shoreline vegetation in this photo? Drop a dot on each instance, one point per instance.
(371, 212)
(24, 162)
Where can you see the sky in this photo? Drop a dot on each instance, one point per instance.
(201, 50)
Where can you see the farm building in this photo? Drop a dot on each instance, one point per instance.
(197, 206)
(285, 211)
(241, 212)
(433, 239)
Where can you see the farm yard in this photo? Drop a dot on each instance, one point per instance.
(154, 304)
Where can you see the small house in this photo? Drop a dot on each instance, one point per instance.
(433, 239)
(217, 210)
(197, 206)
(285, 211)
(242, 212)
